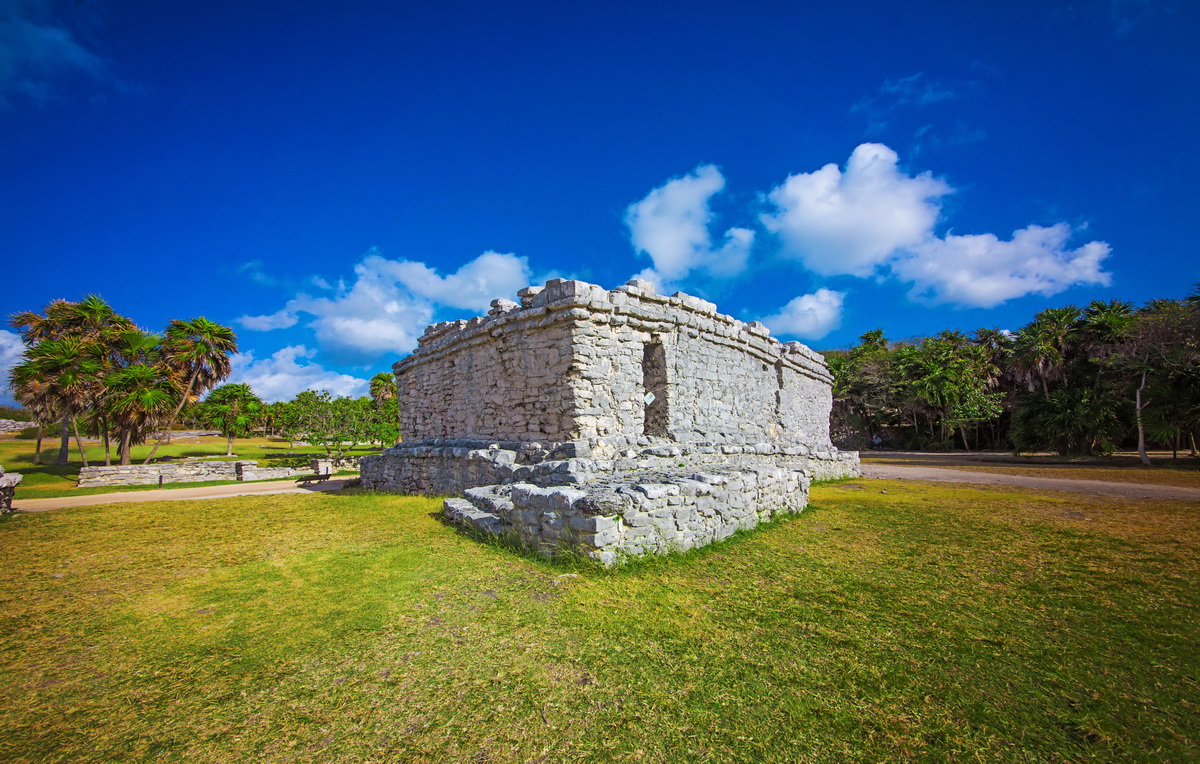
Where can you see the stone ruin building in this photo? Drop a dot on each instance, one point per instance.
(614, 423)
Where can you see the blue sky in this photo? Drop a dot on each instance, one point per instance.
(329, 177)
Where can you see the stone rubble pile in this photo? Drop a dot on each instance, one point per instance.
(8, 488)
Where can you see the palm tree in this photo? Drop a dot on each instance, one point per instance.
(199, 351)
(68, 372)
(31, 394)
(138, 396)
(233, 409)
(1041, 347)
(383, 388)
(92, 321)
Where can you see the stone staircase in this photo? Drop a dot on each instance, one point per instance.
(485, 509)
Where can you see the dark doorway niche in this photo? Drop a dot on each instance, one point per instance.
(654, 388)
(779, 390)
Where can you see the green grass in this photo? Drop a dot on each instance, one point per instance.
(49, 481)
(891, 620)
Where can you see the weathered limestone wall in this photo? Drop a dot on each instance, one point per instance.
(570, 363)
(725, 381)
(181, 472)
(500, 377)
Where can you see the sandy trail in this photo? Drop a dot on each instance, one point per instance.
(179, 494)
(1096, 487)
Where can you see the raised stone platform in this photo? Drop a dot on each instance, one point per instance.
(632, 514)
(449, 466)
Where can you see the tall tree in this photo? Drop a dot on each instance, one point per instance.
(91, 321)
(1041, 347)
(385, 396)
(138, 396)
(233, 409)
(198, 354)
(1163, 341)
(66, 372)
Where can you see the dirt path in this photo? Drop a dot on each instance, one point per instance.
(1099, 487)
(178, 494)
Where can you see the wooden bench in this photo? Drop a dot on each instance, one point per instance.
(318, 478)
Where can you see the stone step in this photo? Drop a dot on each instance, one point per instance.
(465, 513)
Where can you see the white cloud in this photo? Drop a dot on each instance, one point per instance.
(280, 319)
(852, 222)
(983, 271)
(289, 372)
(390, 302)
(471, 287)
(874, 218)
(11, 349)
(811, 316)
(671, 226)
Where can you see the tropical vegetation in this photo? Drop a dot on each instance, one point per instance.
(1077, 381)
(96, 373)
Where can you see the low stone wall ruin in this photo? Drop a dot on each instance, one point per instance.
(182, 472)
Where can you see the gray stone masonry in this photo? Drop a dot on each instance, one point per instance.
(183, 472)
(585, 388)
(8, 488)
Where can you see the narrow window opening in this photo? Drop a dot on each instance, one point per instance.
(654, 387)
(779, 391)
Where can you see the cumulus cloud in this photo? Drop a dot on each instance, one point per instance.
(37, 51)
(290, 371)
(875, 219)
(280, 319)
(11, 349)
(671, 223)
(983, 271)
(810, 316)
(852, 222)
(390, 302)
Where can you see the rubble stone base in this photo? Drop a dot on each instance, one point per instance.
(656, 499)
(630, 515)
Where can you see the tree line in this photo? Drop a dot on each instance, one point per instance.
(336, 423)
(1074, 380)
(90, 371)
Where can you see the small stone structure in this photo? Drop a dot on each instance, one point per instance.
(8, 488)
(613, 422)
(183, 472)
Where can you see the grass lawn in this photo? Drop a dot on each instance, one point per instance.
(891, 620)
(1183, 472)
(48, 481)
